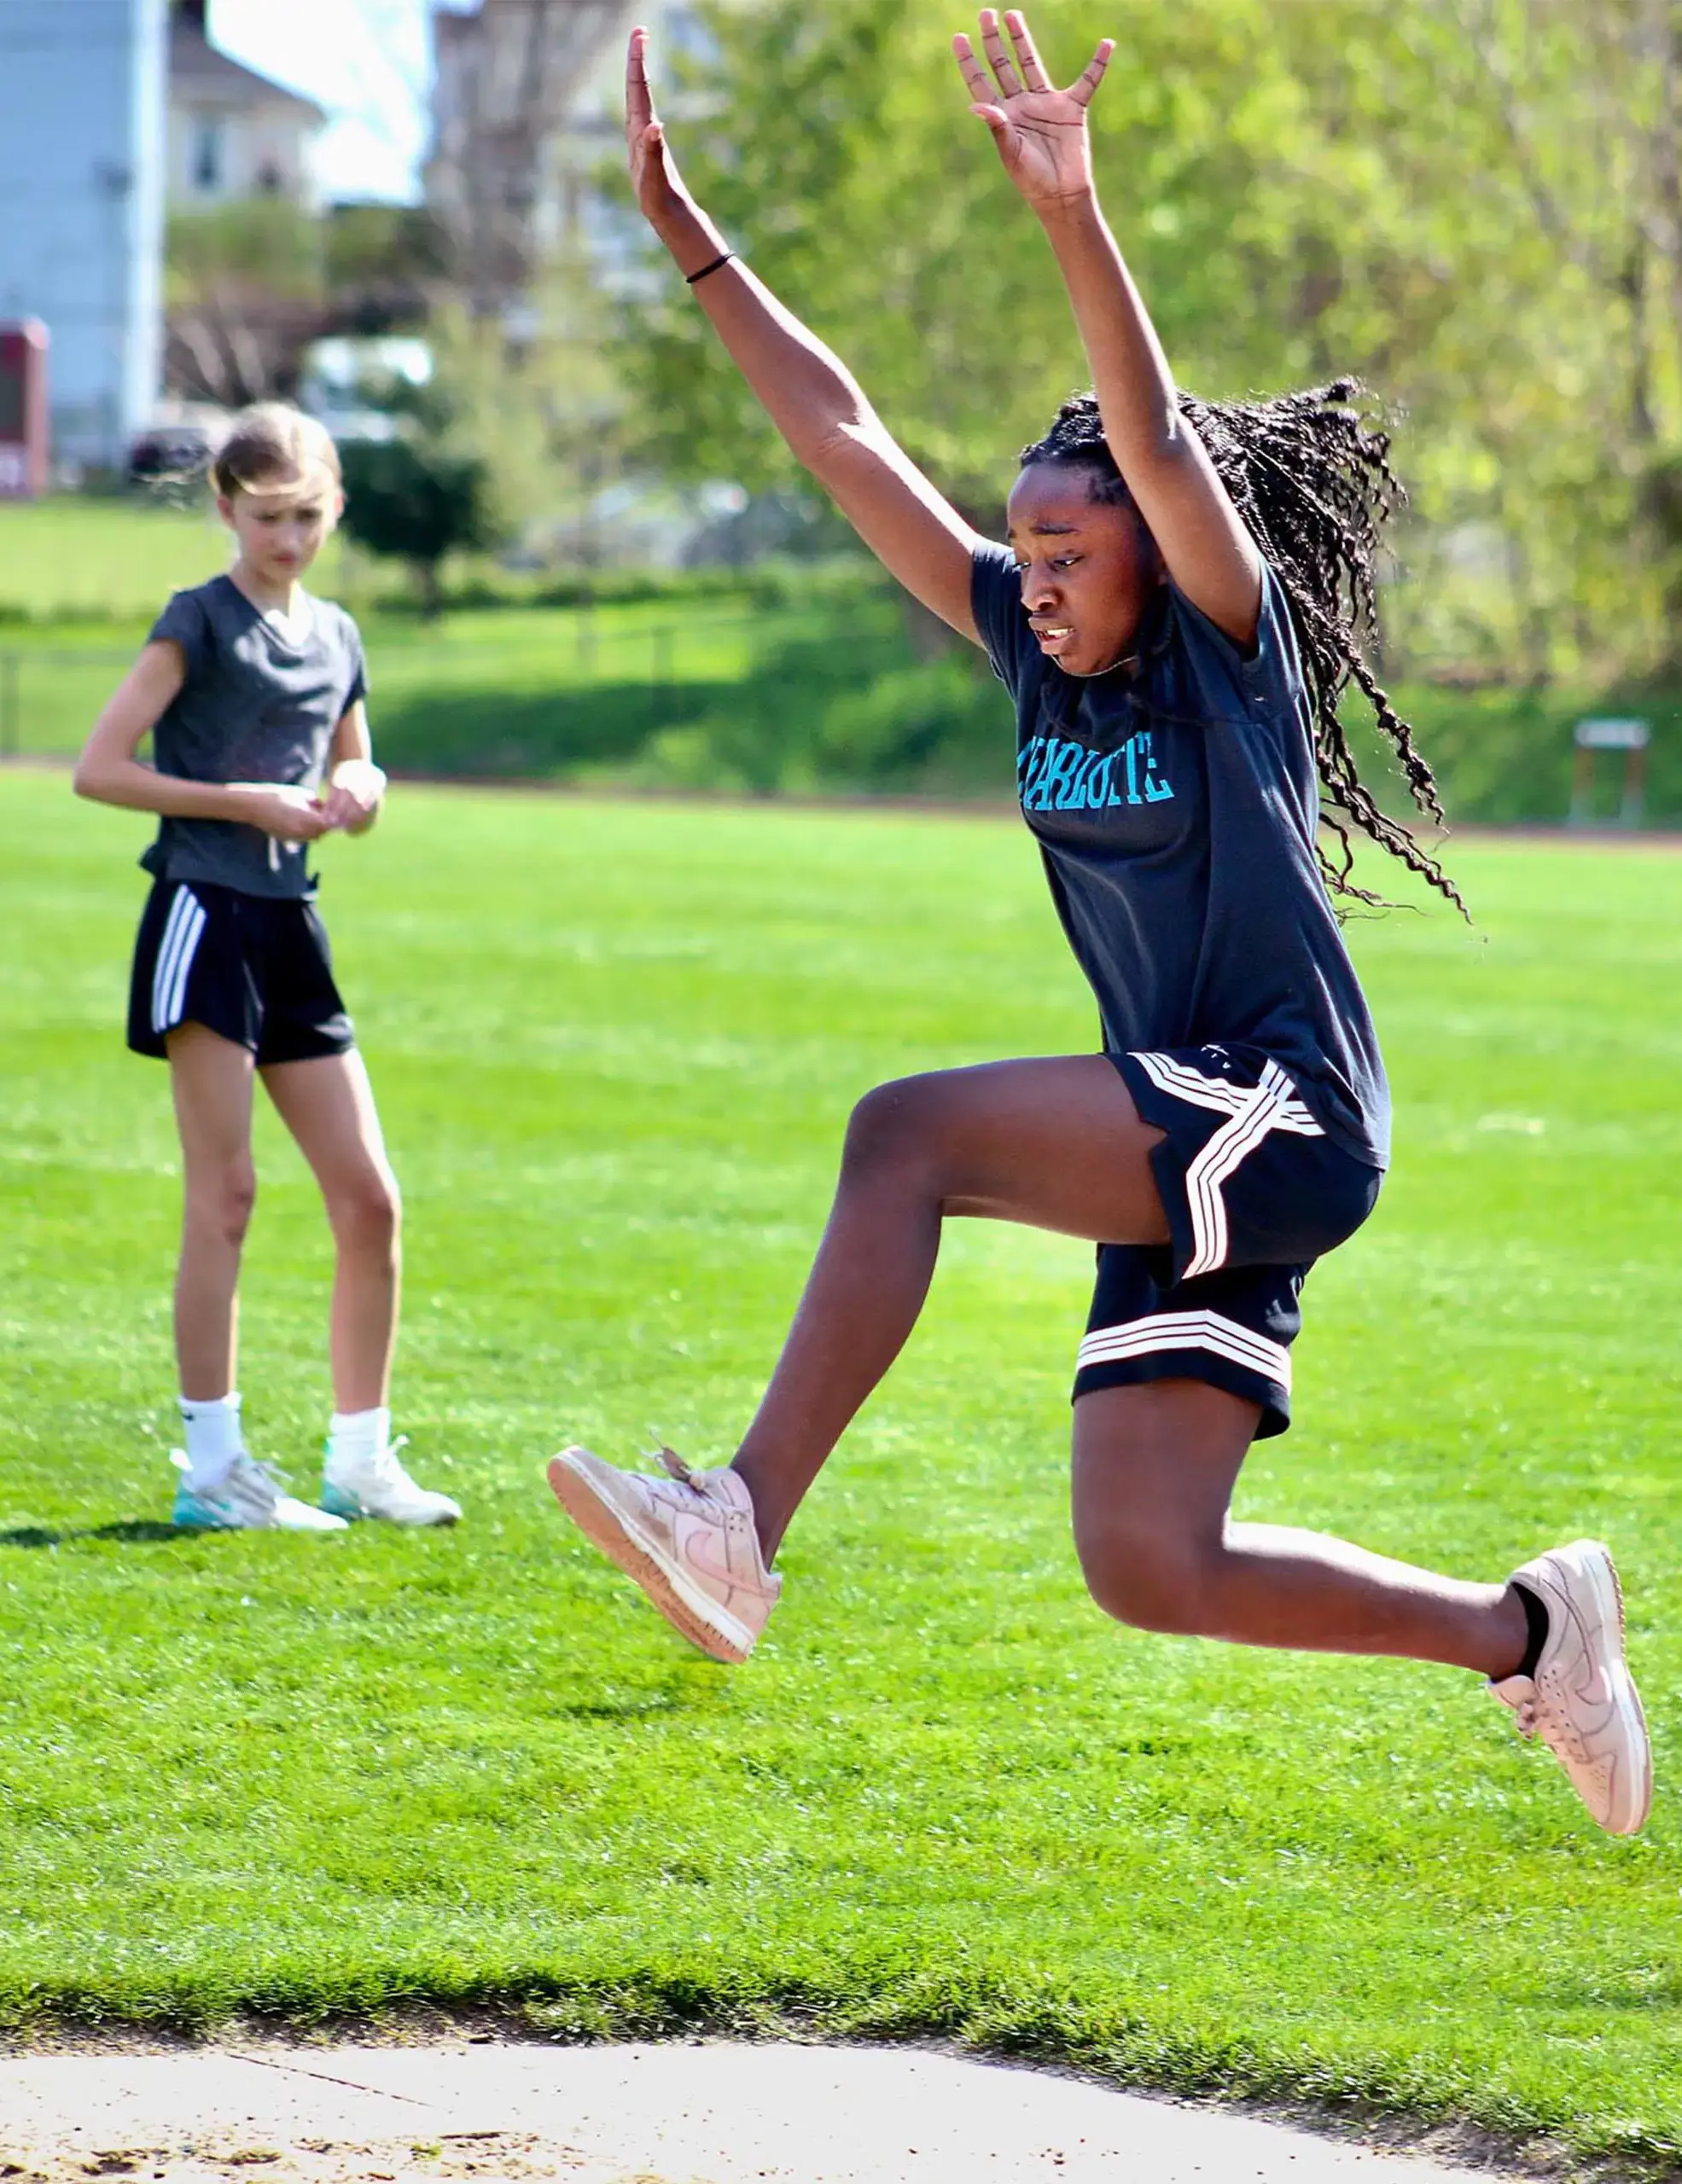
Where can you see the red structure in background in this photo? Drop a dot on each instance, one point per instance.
(23, 409)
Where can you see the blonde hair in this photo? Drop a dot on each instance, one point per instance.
(270, 443)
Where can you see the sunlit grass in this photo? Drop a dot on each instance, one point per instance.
(615, 1045)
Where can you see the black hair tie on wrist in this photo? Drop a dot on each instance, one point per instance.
(691, 278)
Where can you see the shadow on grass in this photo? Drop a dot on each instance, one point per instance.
(622, 1709)
(130, 1531)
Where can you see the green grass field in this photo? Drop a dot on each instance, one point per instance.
(72, 558)
(615, 1045)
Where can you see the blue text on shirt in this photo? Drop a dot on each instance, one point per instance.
(1056, 775)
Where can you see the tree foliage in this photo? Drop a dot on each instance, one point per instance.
(426, 493)
(1474, 204)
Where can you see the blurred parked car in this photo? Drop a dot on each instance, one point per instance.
(177, 442)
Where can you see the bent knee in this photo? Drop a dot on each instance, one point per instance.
(1150, 1582)
(897, 1125)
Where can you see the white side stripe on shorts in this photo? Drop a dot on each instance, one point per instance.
(1210, 1331)
(176, 950)
(1220, 1094)
(1252, 1113)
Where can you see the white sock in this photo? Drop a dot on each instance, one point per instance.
(357, 1435)
(214, 1438)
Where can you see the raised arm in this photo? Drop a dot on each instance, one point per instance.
(810, 397)
(107, 771)
(1041, 136)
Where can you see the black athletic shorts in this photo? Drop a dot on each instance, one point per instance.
(254, 969)
(1255, 1192)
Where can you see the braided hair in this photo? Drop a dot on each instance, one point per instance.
(1310, 475)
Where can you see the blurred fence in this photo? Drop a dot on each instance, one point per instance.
(50, 694)
(830, 695)
(819, 697)
(49, 699)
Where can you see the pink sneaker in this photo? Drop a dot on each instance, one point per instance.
(1582, 1701)
(688, 1540)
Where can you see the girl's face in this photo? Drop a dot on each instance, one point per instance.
(280, 523)
(1088, 567)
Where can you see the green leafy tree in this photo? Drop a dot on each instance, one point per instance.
(423, 495)
(383, 265)
(544, 405)
(1475, 204)
(839, 155)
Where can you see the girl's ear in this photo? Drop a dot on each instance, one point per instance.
(224, 508)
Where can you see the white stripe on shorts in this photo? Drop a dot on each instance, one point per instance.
(1210, 1331)
(1252, 1113)
(183, 930)
(1220, 1094)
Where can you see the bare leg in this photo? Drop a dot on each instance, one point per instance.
(210, 1077)
(328, 1105)
(1054, 1144)
(1059, 1145)
(1154, 1472)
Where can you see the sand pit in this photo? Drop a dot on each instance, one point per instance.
(705, 2112)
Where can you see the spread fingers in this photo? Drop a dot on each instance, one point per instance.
(1092, 74)
(998, 58)
(976, 80)
(1027, 59)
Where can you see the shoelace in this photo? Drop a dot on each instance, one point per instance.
(247, 1466)
(383, 1462)
(675, 1465)
(1557, 1735)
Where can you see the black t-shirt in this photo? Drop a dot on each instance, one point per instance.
(260, 703)
(1176, 804)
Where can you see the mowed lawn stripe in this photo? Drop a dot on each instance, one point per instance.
(615, 1045)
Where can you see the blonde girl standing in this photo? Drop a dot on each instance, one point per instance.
(252, 692)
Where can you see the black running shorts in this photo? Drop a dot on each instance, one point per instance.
(253, 968)
(1255, 1192)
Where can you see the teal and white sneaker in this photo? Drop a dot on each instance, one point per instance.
(249, 1499)
(377, 1485)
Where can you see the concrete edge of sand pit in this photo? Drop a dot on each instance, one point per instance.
(476, 2104)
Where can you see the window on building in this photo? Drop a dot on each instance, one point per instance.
(206, 159)
(11, 398)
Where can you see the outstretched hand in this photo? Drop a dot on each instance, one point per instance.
(1040, 132)
(653, 173)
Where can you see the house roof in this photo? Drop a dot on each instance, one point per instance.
(198, 71)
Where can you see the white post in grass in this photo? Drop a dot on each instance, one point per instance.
(1632, 737)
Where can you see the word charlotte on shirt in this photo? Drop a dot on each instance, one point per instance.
(1056, 775)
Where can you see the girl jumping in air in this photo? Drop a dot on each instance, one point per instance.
(1175, 616)
(252, 693)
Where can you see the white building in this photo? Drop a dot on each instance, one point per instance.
(232, 133)
(81, 207)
